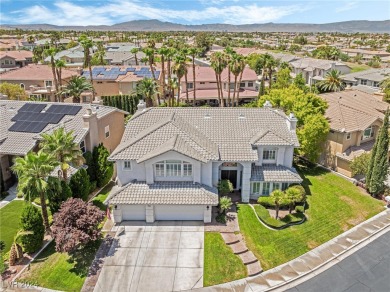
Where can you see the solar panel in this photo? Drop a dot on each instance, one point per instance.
(64, 109)
(32, 107)
(28, 127)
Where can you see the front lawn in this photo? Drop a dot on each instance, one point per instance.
(264, 215)
(98, 201)
(334, 206)
(9, 221)
(355, 67)
(59, 271)
(221, 265)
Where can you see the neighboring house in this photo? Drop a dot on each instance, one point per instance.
(114, 80)
(36, 80)
(170, 160)
(119, 58)
(22, 123)
(370, 78)
(206, 85)
(73, 57)
(15, 59)
(367, 55)
(314, 70)
(355, 118)
(9, 44)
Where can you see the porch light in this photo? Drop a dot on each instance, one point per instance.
(115, 207)
(208, 207)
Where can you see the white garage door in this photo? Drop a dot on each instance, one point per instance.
(178, 212)
(133, 212)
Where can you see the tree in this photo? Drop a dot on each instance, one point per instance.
(379, 164)
(90, 162)
(87, 45)
(332, 81)
(76, 224)
(98, 56)
(13, 91)
(57, 193)
(51, 52)
(277, 196)
(300, 82)
(193, 52)
(293, 196)
(219, 63)
(80, 184)
(225, 203)
(309, 109)
(2, 187)
(31, 220)
(104, 168)
(33, 171)
(16, 251)
(59, 65)
(225, 187)
(283, 79)
(203, 42)
(76, 86)
(385, 86)
(180, 69)
(62, 146)
(148, 89)
(135, 51)
(359, 164)
(237, 67)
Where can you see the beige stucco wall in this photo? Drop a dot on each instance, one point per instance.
(117, 126)
(106, 88)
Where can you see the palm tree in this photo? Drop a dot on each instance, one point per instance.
(144, 60)
(332, 81)
(163, 51)
(33, 171)
(76, 86)
(218, 63)
(229, 53)
(237, 66)
(277, 196)
(62, 146)
(16, 251)
(87, 45)
(270, 63)
(148, 88)
(59, 65)
(135, 51)
(170, 54)
(149, 52)
(184, 53)
(180, 69)
(193, 51)
(293, 195)
(51, 52)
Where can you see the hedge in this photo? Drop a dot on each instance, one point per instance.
(127, 103)
(31, 220)
(267, 202)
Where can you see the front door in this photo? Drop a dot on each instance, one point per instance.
(230, 175)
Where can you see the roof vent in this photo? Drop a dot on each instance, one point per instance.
(267, 104)
(241, 116)
(207, 116)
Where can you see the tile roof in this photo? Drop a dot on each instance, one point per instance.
(207, 74)
(275, 174)
(370, 74)
(206, 133)
(34, 72)
(19, 143)
(355, 151)
(353, 110)
(17, 55)
(165, 193)
(213, 93)
(312, 63)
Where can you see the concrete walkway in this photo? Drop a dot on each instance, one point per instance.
(326, 255)
(12, 196)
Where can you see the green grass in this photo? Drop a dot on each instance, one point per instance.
(357, 67)
(264, 215)
(98, 201)
(59, 271)
(220, 263)
(334, 206)
(9, 222)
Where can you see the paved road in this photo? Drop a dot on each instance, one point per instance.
(368, 269)
(163, 256)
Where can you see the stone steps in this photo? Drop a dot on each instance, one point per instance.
(238, 247)
(248, 257)
(230, 238)
(254, 269)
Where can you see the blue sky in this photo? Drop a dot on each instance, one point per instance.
(77, 12)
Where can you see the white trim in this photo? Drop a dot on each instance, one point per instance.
(107, 130)
(124, 165)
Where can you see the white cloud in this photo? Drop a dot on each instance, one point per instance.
(115, 11)
(346, 6)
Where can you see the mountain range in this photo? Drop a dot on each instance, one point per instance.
(156, 25)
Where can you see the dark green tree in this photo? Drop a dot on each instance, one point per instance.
(104, 168)
(379, 164)
(58, 195)
(80, 184)
(91, 170)
(31, 220)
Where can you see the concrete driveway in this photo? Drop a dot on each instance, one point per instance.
(163, 256)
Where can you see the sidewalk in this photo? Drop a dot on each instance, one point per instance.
(12, 196)
(282, 277)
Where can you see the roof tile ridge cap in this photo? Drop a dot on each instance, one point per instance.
(357, 109)
(113, 195)
(284, 139)
(257, 137)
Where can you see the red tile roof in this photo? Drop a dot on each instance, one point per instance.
(34, 72)
(17, 55)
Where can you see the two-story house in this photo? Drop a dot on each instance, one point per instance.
(370, 78)
(170, 160)
(15, 59)
(22, 123)
(354, 118)
(206, 85)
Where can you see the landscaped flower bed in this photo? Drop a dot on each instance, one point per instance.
(264, 216)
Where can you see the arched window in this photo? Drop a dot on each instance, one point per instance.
(173, 168)
(22, 86)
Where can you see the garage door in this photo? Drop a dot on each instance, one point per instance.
(133, 212)
(178, 212)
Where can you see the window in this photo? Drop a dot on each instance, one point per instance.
(256, 187)
(6, 62)
(231, 85)
(202, 82)
(276, 186)
(82, 146)
(48, 83)
(368, 133)
(190, 85)
(348, 136)
(363, 81)
(266, 189)
(242, 84)
(269, 154)
(285, 186)
(375, 84)
(107, 131)
(127, 165)
(250, 84)
(22, 86)
(172, 168)
(99, 82)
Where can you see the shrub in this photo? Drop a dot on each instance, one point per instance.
(93, 186)
(225, 187)
(91, 170)
(299, 209)
(80, 185)
(3, 266)
(75, 225)
(267, 202)
(264, 215)
(302, 191)
(225, 204)
(221, 218)
(31, 220)
(56, 198)
(104, 168)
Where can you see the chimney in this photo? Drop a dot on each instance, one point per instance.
(292, 122)
(141, 106)
(91, 123)
(267, 104)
